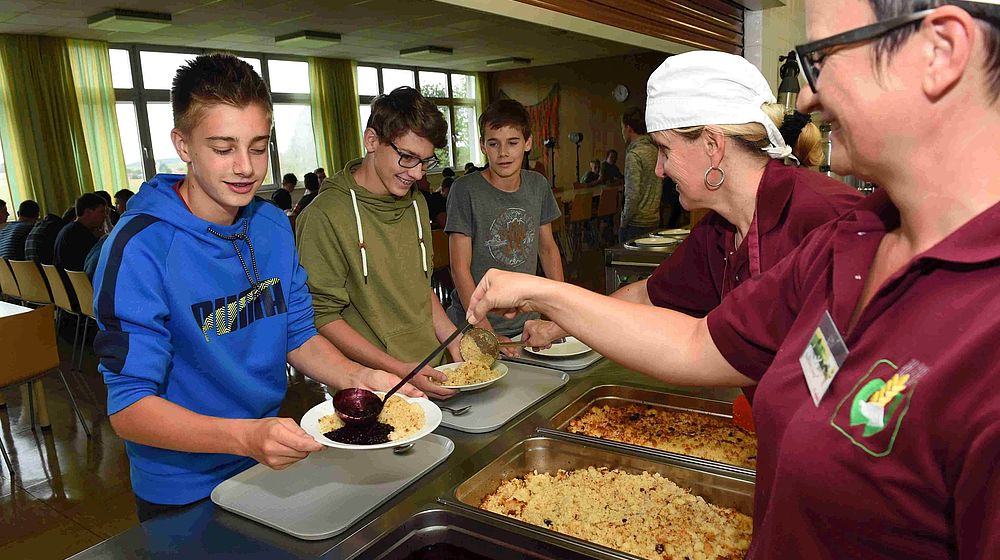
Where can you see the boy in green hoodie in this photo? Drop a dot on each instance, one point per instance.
(365, 243)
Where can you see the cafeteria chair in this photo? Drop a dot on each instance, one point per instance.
(607, 208)
(441, 281)
(31, 353)
(31, 283)
(8, 285)
(580, 213)
(559, 235)
(85, 296)
(64, 297)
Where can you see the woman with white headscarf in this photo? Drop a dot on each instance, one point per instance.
(706, 112)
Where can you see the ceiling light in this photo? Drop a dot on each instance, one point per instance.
(308, 39)
(133, 21)
(509, 61)
(426, 52)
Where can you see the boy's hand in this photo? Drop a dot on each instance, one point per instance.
(540, 334)
(378, 380)
(277, 442)
(424, 381)
(512, 351)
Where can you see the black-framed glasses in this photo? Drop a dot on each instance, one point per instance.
(410, 161)
(811, 55)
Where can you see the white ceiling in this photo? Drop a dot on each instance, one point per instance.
(373, 30)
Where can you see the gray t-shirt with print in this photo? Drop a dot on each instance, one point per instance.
(504, 230)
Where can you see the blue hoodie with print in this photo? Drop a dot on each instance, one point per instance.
(201, 315)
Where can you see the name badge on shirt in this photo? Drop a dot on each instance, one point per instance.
(822, 358)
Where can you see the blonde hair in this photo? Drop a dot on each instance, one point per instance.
(807, 148)
(753, 136)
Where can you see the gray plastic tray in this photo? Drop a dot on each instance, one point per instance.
(574, 363)
(327, 492)
(497, 404)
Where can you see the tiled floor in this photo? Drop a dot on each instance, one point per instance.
(72, 492)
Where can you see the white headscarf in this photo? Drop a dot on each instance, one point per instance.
(701, 88)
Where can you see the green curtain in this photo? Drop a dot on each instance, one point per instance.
(482, 92)
(336, 122)
(44, 142)
(96, 96)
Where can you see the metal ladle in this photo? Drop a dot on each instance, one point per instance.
(487, 343)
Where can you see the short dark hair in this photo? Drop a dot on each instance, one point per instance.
(29, 209)
(447, 172)
(123, 196)
(505, 112)
(88, 201)
(595, 162)
(404, 110)
(311, 181)
(611, 151)
(319, 170)
(290, 178)
(213, 79)
(105, 196)
(987, 14)
(70, 214)
(635, 118)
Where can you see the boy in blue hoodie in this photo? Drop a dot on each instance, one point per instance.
(201, 300)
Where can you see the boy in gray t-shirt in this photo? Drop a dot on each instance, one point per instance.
(501, 217)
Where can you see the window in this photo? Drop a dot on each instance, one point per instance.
(145, 118)
(453, 93)
(128, 129)
(293, 133)
(289, 76)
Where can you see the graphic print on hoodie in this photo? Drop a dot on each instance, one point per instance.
(201, 315)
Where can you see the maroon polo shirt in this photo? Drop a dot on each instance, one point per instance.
(791, 202)
(832, 483)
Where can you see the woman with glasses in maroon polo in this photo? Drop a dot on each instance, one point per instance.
(873, 346)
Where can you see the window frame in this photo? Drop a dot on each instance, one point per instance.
(450, 102)
(139, 96)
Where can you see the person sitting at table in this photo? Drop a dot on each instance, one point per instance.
(14, 236)
(77, 237)
(201, 300)
(873, 344)
(725, 154)
(609, 173)
(593, 173)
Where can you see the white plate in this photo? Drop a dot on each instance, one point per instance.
(310, 423)
(655, 241)
(572, 347)
(499, 367)
(675, 231)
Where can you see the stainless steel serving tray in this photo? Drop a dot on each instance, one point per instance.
(622, 394)
(473, 533)
(549, 454)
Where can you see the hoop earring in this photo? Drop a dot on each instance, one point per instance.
(722, 178)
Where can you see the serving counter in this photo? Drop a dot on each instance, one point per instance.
(207, 531)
